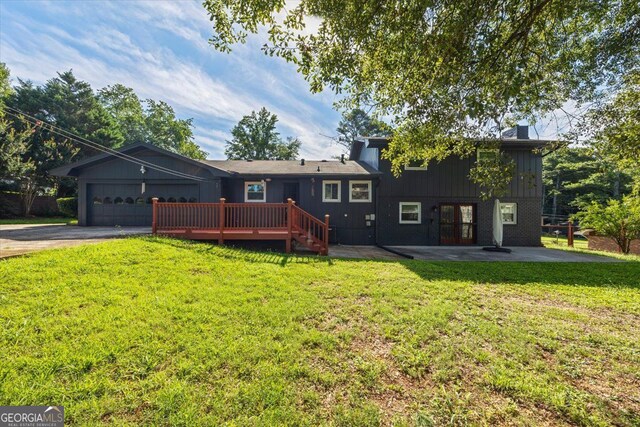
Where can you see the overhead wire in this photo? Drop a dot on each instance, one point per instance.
(16, 113)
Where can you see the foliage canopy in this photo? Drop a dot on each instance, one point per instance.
(449, 73)
(356, 123)
(255, 138)
(618, 219)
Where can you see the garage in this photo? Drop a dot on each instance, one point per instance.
(124, 204)
(116, 189)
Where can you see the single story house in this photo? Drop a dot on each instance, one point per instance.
(366, 204)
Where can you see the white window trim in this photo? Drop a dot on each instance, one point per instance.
(415, 168)
(515, 213)
(401, 204)
(496, 151)
(324, 198)
(246, 191)
(351, 200)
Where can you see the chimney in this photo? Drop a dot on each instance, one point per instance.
(301, 162)
(522, 132)
(341, 158)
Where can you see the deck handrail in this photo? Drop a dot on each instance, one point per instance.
(312, 227)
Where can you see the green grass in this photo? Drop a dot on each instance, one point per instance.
(162, 332)
(582, 246)
(39, 220)
(561, 242)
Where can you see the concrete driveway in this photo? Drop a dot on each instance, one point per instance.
(475, 253)
(18, 239)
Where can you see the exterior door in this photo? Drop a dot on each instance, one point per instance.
(291, 190)
(457, 224)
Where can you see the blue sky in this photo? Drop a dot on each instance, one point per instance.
(160, 49)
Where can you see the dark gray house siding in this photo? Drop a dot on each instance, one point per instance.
(448, 182)
(103, 179)
(118, 182)
(347, 219)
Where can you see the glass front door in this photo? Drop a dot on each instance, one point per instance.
(457, 224)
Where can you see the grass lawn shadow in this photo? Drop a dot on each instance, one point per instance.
(615, 275)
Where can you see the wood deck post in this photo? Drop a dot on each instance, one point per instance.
(289, 224)
(570, 234)
(221, 221)
(326, 234)
(154, 221)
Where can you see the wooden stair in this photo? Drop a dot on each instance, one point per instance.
(309, 231)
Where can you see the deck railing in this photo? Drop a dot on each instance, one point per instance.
(287, 219)
(255, 215)
(174, 216)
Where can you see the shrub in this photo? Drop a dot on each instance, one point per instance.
(618, 219)
(68, 206)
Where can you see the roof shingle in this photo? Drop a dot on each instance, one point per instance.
(293, 167)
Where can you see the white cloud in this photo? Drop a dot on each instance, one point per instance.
(216, 89)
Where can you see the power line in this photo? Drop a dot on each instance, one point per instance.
(81, 140)
(76, 138)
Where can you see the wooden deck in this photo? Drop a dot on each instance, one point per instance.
(242, 221)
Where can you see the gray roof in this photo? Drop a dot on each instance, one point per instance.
(293, 167)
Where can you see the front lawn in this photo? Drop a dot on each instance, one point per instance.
(163, 332)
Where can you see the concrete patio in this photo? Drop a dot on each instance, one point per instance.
(475, 253)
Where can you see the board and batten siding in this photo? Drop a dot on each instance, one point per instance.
(448, 182)
(113, 177)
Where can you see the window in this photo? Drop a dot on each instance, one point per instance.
(97, 201)
(118, 201)
(107, 201)
(331, 191)
(410, 213)
(128, 201)
(193, 200)
(415, 165)
(360, 191)
(182, 200)
(161, 200)
(255, 191)
(171, 200)
(509, 213)
(139, 201)
(487, 154)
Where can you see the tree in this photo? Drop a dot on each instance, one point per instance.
(613, 129)
(13, 145)
(126, 109)
(576, 176)
(70, 104)
(448, 73)
(618, 219)
(19, 163)
(153, 122)
(255, 138)
(165, 130)
(355, 123)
